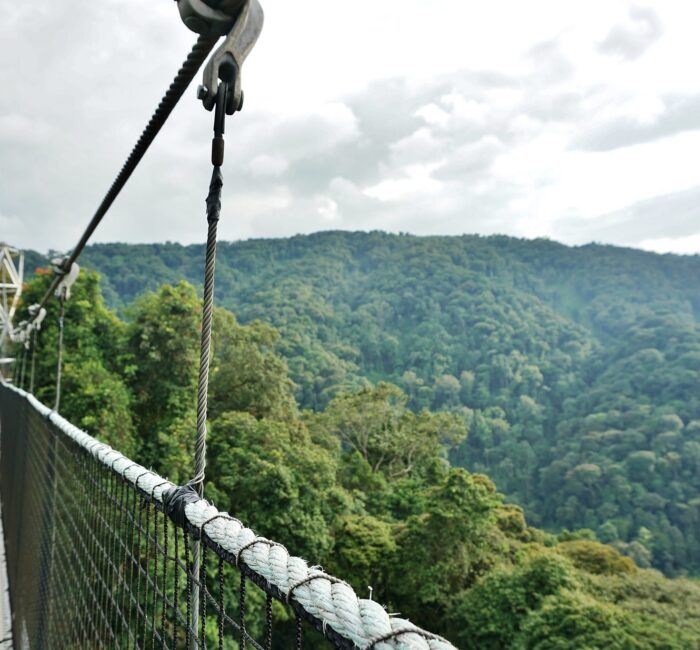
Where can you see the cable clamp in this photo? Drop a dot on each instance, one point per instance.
(68, 276)
(39, 319)
(176, 498)
(37, 314)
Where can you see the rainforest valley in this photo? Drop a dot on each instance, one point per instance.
(500, 436)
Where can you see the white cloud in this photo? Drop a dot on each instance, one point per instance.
(419, 146)
(576, 121)
(19, 128)
(687, 245)
(327, 208)
(466, 110)
(414, 181)
(266, 165)
(433, 114)
(635, 35)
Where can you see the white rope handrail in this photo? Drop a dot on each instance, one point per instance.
(330, 600)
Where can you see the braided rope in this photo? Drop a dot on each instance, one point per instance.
(330, 600)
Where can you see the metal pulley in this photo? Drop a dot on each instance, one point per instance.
(240, 21)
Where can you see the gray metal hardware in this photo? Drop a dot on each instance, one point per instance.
(241, 21)
(209, 17)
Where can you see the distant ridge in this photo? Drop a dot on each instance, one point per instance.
(579, 367)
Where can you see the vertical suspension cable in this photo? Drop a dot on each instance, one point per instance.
(16, 368)
(59, 353)
(213, 215)
(23, 367)
(33, 364)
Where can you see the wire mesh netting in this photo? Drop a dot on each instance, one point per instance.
(94, 562)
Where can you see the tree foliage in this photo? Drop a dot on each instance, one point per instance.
(581, 404)
(578, 369)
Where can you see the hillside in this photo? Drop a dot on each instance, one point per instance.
(578, 368)
(363, 486)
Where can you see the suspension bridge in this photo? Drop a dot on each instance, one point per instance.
(101, 552)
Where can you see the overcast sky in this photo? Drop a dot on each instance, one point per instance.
(577, 121)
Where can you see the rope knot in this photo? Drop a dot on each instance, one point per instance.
(176, 499)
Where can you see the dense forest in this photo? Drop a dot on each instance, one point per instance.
(577, 369)
(361, 484)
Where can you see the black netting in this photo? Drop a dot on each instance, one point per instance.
(94, 562)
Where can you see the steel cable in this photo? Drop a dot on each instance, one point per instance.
(213, 214)
(200, 454)
(59, 350)
(197, 56)
(33, 365)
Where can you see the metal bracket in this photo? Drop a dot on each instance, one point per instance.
(68, 277)
(242, 22)
(38, 314)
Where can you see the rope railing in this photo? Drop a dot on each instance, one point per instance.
(95, 561)
(103, 552)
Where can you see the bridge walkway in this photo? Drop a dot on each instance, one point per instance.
(5, 611)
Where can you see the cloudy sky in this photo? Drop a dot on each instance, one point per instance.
(570, 120)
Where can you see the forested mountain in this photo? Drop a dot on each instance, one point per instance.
(362, 485)
(577, 369)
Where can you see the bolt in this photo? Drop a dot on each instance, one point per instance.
(202, 92)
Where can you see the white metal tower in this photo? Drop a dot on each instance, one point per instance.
(11, 275)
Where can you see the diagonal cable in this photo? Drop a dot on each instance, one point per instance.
(197, 56)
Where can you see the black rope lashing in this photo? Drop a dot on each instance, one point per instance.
(176, 583)
(188, 596)
(315, 576)
(136, 511)
(97, 444)
(126, 469)
(202, 528)
(299, 632)
(154, 605)
(203, 587)
(203, 575)
(165, 578)
(268, 622)
(241, 610)
(176, 499)
(257, 540)
(146, 564)
(395, 633)
(155, 487)
(220, 605)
